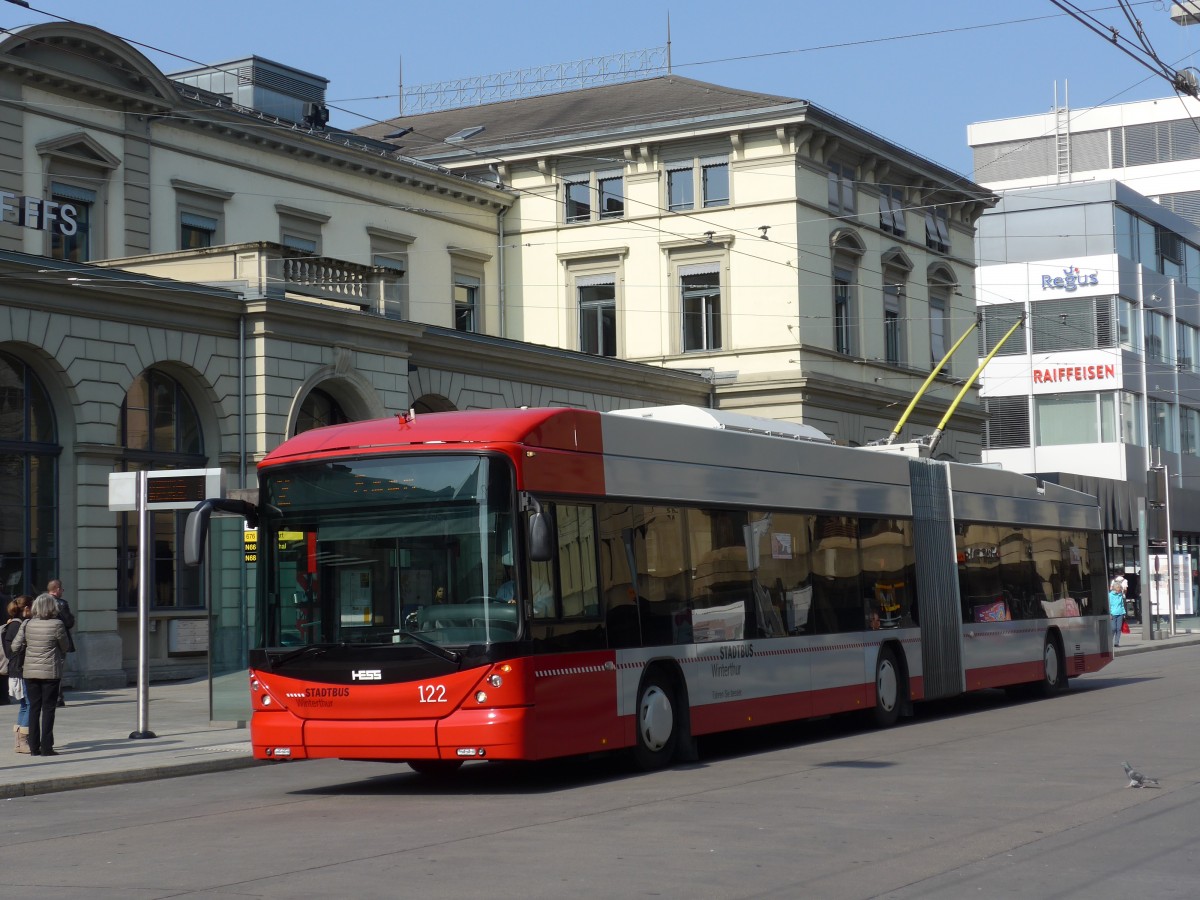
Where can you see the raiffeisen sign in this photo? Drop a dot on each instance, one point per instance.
(1062, 373)
(1067, 374)
(43, 215)
(1071, 279)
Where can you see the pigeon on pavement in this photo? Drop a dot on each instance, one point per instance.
(1137, 779)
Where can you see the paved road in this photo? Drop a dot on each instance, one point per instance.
(977, 797)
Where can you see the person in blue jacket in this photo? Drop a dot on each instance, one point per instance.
(1116, 610)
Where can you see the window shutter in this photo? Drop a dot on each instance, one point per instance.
(1141, 143)
(1106, 319)
(72, 192)
(204, 223)
(997, 319)
(1117, 147)
(1008, 422)
(1064, 325)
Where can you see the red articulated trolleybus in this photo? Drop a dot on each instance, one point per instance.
(532, 583)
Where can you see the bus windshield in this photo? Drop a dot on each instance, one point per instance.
(388, 550)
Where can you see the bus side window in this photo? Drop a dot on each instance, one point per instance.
(888, 568)
(978, 548)
(783, 568)
(837, 601)
(541, 580)
(723, 603)
(574, 593)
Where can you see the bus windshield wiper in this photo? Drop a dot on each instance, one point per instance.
(314, 649)
(435, 649)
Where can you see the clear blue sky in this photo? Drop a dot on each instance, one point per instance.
(914, 71)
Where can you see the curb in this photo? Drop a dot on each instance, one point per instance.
(1180, 640)
(128, 776)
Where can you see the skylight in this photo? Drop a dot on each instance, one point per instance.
(466, 133)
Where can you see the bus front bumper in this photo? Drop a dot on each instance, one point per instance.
(465, 734)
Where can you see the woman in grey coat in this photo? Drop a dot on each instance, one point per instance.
(44, 638)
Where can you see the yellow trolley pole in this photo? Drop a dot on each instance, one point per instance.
(891, 438)
(937, 432)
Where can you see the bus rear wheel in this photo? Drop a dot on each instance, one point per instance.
(1054, 673)
(435, 768)
(889, 689)
(657, 723)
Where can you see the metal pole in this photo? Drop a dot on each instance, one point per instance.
(1170, 554)
(1147, 607)
(144, 555)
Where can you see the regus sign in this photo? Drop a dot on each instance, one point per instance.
(1070, 280)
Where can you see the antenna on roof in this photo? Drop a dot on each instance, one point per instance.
(668, 42)
(617, 68)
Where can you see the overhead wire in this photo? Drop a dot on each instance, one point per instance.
(658, 211)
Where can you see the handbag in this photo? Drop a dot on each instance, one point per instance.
(4, 656)
(1124, 628)
(17, 662)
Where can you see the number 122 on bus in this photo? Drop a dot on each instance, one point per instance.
(532, 583)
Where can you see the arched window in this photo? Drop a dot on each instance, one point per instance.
(896, 268)
(159, 430)
(941, 290)
(318, 410)
(846, 249)
(29, 453)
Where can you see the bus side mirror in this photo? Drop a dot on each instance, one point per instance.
(542, 538)
(196, 532)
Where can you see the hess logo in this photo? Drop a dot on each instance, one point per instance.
(366, 675)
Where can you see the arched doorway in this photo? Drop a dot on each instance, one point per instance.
(29, 452)
(319, 409)
(430, 403)
(159, 430)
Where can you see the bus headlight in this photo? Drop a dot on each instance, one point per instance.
(480, 697)
(495, 681)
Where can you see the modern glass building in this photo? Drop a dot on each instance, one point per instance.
(1102, 380)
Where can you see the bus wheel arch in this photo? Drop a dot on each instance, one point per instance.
(891, 685)
(660, 716)
(1054, 664)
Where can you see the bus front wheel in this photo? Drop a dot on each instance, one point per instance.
(657, 723)
(889, 690)
(1054, 673)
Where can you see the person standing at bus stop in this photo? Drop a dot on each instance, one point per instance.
(1116, 611)
(55, 589)
(44, 638)
(18, 612)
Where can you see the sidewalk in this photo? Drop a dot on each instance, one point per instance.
(1187, 632)
(94, 747)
